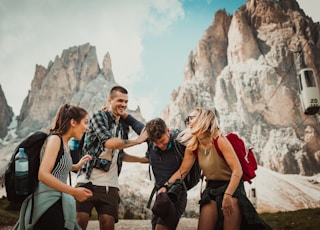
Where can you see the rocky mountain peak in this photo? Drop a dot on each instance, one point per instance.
(244, 66)
(242, 44)
(74, 77)
(6, 114)
(107, 68)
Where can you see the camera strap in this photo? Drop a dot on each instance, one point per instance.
(151, 196)
(117, 130)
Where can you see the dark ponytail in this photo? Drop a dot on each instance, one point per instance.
(64, 116)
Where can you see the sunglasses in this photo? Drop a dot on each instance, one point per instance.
(189, 119)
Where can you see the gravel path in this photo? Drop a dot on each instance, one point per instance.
(184, 224)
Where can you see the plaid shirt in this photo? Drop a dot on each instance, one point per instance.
(101, 128)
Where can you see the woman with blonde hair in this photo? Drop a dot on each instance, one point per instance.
(223, 204)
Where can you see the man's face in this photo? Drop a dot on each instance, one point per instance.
(118, 104)
(163, 141)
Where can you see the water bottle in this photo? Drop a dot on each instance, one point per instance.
(73, 144)
(22, 173)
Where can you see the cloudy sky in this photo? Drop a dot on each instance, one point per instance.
(148, 41)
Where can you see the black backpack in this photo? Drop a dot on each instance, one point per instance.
(194, 175)
(32, 146)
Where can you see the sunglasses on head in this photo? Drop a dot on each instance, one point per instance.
(189, 119)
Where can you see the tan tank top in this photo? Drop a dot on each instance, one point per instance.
(214, 167)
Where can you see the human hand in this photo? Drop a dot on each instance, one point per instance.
(105, 108)
(144, 160)
(143, 136)
(124, 115)
(227, 208)
(82, 194)
(162, 189)
(84, 160)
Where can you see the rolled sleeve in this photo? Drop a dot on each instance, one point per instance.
(136, 125)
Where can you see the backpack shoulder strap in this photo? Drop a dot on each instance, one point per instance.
(216, 145)
(147, 155)
(195, 153)
(155, 188)
(232, 137)
(60, 153)
(177, 145)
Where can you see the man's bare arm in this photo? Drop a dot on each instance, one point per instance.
(118, 143)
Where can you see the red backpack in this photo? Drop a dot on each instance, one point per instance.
(246, 157)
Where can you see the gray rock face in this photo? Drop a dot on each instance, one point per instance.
(74, 78)
(6, 114)
(245, 67)
(55, 85)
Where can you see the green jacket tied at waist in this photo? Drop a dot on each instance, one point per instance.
(45, 197)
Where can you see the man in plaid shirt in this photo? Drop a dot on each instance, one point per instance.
(104, 141)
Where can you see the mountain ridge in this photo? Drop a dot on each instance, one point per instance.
(244, 67)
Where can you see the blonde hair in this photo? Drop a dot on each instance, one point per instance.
(205, 121)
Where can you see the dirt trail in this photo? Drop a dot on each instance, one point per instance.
(184, 224)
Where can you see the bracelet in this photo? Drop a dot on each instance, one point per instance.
(228, 194)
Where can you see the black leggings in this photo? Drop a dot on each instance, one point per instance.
(52, 219)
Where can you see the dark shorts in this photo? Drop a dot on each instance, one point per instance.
(105, 200)
(180, 205)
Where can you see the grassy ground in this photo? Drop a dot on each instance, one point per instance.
(306, 219)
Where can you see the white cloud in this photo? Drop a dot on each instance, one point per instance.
(162, 14)
(34, 32)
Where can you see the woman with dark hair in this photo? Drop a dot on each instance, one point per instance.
(223, 204)
(53, 204)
